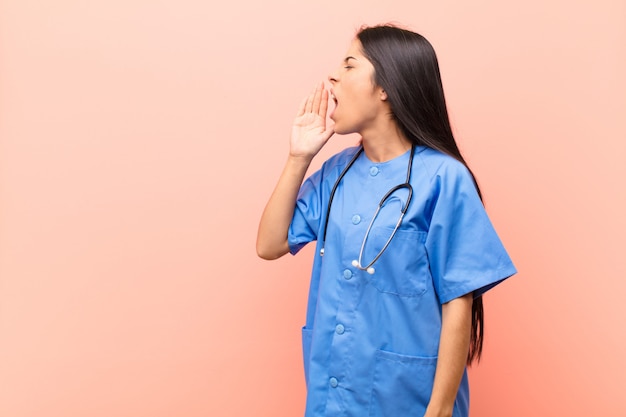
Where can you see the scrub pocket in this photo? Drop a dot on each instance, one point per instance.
(401, 384)
(307, 335)
(403, 268)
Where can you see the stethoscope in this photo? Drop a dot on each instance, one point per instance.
(358, 263)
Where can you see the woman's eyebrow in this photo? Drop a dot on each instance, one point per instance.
(346, 59)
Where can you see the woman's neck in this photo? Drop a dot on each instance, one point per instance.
(386, 144)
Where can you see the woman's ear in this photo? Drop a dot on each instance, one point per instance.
(383, 95)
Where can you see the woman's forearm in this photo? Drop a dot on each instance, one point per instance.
(453, 348)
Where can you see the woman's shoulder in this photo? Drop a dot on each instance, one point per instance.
(342, 158)
(333, 166)
(437, 163)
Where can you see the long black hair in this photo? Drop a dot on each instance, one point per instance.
(406, 68)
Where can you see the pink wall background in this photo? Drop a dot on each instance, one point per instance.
(139, 141)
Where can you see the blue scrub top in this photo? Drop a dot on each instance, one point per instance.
(370, 342)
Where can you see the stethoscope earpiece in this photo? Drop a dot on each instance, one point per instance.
(369, 270)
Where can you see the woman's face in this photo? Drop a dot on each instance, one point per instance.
(359, 103)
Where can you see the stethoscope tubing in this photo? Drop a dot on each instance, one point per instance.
(358, 263)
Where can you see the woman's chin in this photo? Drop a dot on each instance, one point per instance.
(341, 130)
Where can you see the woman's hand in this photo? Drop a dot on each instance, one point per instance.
(310, 133)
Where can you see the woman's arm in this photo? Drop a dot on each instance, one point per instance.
(453, 348)
(308, 136)
(271, 240)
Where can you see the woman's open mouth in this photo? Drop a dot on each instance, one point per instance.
(334, 99)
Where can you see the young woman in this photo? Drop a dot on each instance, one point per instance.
(405, 249)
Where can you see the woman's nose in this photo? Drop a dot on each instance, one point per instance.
(332, 78)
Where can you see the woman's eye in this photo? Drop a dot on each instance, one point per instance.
(348, 67)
